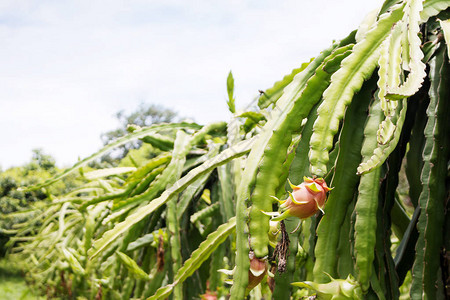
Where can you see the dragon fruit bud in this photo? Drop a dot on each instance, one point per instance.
(274, 233)
(257, 271)
(209, 295)
(335, 289)
(305, 200)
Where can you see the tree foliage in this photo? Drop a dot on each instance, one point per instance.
(16, 204)
(144, 115)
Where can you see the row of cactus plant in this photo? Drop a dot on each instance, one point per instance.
(348, 125)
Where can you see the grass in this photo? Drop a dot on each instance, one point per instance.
(12, 284)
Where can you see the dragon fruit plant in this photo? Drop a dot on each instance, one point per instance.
(367, 116)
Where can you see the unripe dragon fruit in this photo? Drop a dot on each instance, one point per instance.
(336, 289)
(257, 271)
(305, 200)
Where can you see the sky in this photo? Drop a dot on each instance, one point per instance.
(67, 67)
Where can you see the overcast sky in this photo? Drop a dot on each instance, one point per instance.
(66, 67)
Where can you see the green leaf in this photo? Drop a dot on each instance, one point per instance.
(73, 261)
(170, 173)
(367, 203)
(411, 42)
(380, 153)
(400, 218)
(344, 181)
(117, 143)
(436, 153)
(253, 119)
(387, 5)
(142, 241)
(159, 141)
(204, 213)
(201, 254)
(389, 71)
(253, 115)
(173, 227)
(348, 80)
(432, 8)
(445, 25)
(271, 95)
(190, 193)
(230, 92)
(225, 156)
(277, 137)
(108, 172)
(149, 166)
(132, 266)
(226, 191)
(367, 23)
(405, 253)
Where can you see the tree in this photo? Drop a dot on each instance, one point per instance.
(144, 115)
(44, 161)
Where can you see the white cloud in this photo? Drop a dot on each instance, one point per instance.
(68, 66)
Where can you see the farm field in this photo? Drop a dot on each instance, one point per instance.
(13, 285)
